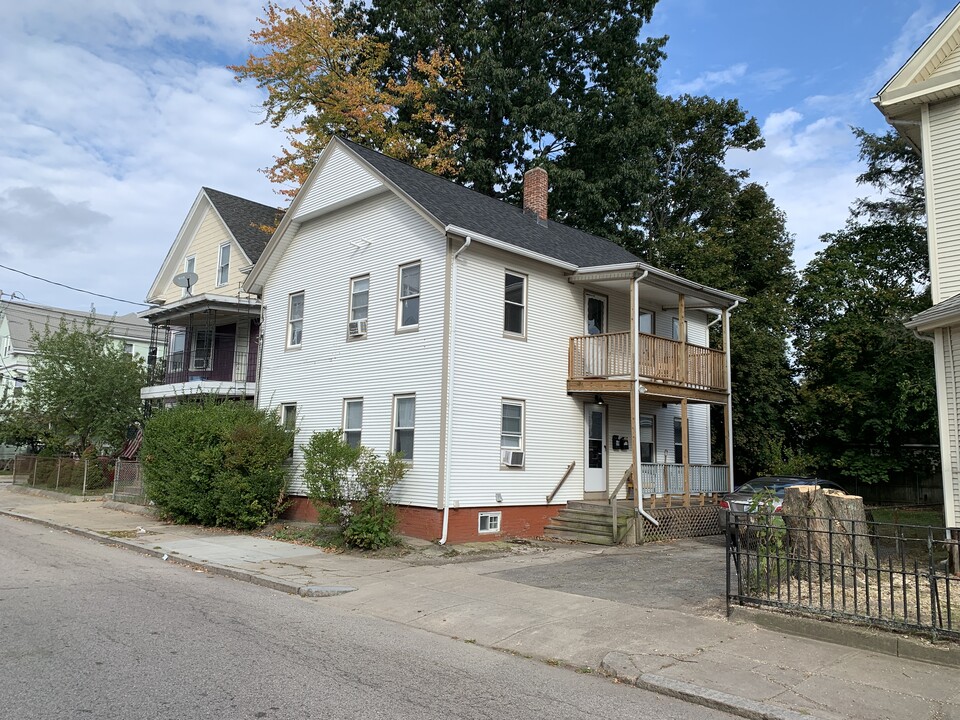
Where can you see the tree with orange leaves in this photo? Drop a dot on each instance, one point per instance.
(323, 77)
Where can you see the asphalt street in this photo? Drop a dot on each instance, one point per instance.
(88, 630)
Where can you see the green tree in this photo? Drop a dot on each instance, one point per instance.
(83, 389)
(867, 387)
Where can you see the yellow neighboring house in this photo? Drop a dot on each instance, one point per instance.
(210, 326)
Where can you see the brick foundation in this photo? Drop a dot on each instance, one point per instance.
(427, 523)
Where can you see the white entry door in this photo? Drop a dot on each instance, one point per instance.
(595, 451)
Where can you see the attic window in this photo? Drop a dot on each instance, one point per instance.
(223, 265)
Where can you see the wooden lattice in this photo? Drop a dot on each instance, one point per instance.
(681, 522)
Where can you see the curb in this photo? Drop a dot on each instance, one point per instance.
(620, 666)
(945, 653)
(243, 575)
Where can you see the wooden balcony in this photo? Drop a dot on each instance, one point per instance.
(604, 363)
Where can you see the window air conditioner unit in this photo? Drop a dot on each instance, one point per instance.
(512, 458)
(358, 328)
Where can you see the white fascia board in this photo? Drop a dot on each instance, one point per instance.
(676, 281)
(508, 247)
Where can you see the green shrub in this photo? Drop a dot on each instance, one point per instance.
(219, 464)
(350, 487)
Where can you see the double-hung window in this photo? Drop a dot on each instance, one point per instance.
(514, 303)
(288, 416)
(408, 300)
(359, 298)
(295, 320)
(646, 444)
(352, 421)
(202, 356)
(511, 425)
(404, 422)
(223, 265)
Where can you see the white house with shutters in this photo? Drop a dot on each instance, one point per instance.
(922, 101)
(519, 365)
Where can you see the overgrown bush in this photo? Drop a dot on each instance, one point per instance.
(216, 464)
(350, 487)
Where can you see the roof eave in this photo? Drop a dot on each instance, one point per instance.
(464, 233)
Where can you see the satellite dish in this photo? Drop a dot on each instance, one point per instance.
(185, 280)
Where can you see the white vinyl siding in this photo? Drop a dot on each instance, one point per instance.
(329, 367)
(339, 180)
(944, 162)
(949, 398)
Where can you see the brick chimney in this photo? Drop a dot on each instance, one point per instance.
(535, 183)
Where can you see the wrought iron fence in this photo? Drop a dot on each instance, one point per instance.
(75, 476)
(895, 576)
(128, 483)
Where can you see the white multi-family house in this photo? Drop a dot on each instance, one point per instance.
(922, 102)
(20, 320)
(208, 323)
(519, 365)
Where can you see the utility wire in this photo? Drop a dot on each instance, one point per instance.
(69, 287)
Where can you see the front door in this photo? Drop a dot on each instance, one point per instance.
(595, 460)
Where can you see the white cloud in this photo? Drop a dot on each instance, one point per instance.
(709, 81)
(111, 125)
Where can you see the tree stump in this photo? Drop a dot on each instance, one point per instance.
(824, 524)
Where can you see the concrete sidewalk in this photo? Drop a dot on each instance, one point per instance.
(739, 665)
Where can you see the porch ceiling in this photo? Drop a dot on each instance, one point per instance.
(656, 285)
(181, 311)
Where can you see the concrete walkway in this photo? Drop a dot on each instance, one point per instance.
(758, 665)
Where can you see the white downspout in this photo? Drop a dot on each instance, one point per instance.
(450, 384)
(635, 389)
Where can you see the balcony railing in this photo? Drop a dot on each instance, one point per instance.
(610, 356)
(181, 367)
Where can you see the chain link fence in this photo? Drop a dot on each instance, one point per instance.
(128, 483)
(74, 476)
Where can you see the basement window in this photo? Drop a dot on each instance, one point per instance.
(489, 522)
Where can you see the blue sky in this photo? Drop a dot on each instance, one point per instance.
(115, 113)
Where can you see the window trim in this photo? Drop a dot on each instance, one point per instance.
(522, 334)
(290, 345)
(401, 298)
(221, 266)
(653, 435)
(653, 320)
(357, 430)
(490, 515)
(395, 419)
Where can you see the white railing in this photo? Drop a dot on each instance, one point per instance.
(667, 479)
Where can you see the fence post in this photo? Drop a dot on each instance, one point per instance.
(16, 460)
(57, 485)
(116, 474)
(84, 491)
(36, 459)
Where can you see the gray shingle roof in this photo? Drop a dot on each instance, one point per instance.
(23, 319)
(244, 218)
(454, 204)
(943, 313)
